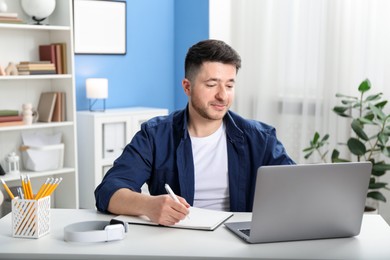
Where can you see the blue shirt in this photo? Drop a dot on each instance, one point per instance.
(161, 153)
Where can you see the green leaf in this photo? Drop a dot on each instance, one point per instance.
(381, 167)
(381, 105)
(325, 138)
(370, 116)
(364, 86)
(347, 102)
(376, 195)
(363, 120)
(386, 151)
(308, 149)
(356, 147)
(377, 185)
(338, 95)
(308, 155)
(373, 97)
(378, 112)
(335, 157)
(383, 138)
(340, 111)
(357, 127)
(316, 137)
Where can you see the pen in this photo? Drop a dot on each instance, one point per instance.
(8, 190)
(172, 194)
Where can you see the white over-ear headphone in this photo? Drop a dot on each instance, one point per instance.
(95, 231)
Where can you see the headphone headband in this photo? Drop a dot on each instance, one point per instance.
(95, 231)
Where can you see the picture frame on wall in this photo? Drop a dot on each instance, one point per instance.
(99, 27)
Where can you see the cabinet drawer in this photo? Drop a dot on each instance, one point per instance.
(114, 139)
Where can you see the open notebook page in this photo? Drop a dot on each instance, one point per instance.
(199, 218)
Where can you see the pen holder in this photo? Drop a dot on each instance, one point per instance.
(30, 218)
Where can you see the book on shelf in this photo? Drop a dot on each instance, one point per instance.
(12, 123)
(10, 118)
(63, 57)
(10, 18)
(35, 62)
(9, 112)
(35, 68)
(8, 15)
(46, 106)
(36, 72)
(48, 53)
(59, 108)
(58, 59)
(56, 54)
(49, 66)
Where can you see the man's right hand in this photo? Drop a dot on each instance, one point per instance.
(161, 209)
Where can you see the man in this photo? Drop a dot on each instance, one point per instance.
(207, 154)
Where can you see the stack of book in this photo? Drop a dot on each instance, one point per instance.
(10, 18)
(56, 54)
(36, 68)
(10, 118)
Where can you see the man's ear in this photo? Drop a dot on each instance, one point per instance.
(186, 84)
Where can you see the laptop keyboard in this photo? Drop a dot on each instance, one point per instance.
(246, 231)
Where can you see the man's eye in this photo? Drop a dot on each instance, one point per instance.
(210, 85)
(230, 86)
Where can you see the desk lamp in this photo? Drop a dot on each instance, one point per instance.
(97, 88)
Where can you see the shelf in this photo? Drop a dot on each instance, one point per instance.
(31, 174)
(32, 77)
(34, 27)
(20, 42)
(35, 126)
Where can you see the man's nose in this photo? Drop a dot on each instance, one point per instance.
(222, 93)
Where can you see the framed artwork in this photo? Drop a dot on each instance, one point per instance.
(99, 27)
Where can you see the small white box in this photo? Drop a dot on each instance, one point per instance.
(43, 158)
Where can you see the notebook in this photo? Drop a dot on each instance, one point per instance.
(302, 202)
(198, 218)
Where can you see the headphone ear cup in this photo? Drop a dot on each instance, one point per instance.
(115, 226)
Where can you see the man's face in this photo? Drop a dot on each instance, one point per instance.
(211, 93)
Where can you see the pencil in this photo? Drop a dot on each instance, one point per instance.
(29, 187)
(42, 188)
(8, 190)
(23, 187)
(51, 182)
(53, 187)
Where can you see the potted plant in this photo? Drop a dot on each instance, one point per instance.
(370, 127)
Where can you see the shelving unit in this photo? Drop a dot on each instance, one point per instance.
(102, 137)
(20, 42)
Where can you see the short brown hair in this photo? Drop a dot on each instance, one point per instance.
(209, 50)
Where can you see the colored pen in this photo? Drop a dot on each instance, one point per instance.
(7, 190)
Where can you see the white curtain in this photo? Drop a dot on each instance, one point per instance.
(297, 54)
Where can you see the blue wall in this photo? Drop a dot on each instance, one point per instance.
(159, 32)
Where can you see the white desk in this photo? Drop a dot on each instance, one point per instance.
(150, 242)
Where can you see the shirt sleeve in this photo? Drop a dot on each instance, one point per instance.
(277, 154)
(130, 170)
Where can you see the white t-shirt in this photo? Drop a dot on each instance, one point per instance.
(211, 171)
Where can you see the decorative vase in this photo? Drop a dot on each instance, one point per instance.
(39, 10)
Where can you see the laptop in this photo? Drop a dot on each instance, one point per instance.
(302, 202)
